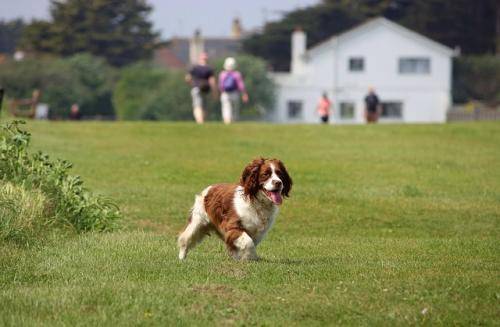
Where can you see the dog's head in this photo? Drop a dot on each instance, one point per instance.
(268, 177)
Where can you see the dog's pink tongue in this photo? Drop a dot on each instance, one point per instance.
(276, 197)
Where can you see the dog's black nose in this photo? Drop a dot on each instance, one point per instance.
(277, 183)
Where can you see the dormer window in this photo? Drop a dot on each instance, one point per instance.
(356, 64)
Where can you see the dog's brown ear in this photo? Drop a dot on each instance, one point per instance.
(285, 178)
(250, 177)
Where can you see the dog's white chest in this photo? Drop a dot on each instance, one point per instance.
(256, 217)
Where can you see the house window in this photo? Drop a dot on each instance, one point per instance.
(356, 64)
(294, 109)
(414, 65)
(392, 110)
(346, 110)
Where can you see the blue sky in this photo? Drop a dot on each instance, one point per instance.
(181, 17)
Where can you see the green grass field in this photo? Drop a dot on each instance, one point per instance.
(386, 225)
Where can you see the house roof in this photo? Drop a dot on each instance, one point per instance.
(165, 57)
(381, 21)
(178, 49)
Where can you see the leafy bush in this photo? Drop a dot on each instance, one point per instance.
(81, 79)
(477, 78)
(44, 188)
(148, 92)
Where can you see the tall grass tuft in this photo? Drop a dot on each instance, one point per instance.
(22, 213)
(37, 193)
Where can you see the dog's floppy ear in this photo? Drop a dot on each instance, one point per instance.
(285, 178)
(250, 177)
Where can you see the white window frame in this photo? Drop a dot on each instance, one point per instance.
(414, 65)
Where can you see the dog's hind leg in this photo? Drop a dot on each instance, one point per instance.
(198, 226)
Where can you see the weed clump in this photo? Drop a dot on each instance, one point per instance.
(37, 193)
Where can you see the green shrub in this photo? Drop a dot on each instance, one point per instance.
(81, 79)
(476, 78)
(147, 92)
(59, 199)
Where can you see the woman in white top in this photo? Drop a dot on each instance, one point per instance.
(232, 87)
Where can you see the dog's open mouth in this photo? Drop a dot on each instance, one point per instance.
(274, 196)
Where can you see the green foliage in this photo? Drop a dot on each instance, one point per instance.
(117, 30)
(477, 78)
(81, 79)
(320, 22)
(96, 80)
(22, 213)
(467, 24)
(37, 191)
(148, 92)
(260, 87)
(152, 93)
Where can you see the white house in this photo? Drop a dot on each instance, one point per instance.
(411, 75)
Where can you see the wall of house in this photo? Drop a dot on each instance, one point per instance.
(425, 97)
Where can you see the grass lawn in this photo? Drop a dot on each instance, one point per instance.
(385, 225)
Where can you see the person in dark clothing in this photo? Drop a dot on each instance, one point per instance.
(74, 113)
(202, 80)
(372, 106)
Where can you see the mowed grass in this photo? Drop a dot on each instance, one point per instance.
(385, 225)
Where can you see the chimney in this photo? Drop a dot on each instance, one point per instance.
(196, 47)
(236, 29)
(299, 40)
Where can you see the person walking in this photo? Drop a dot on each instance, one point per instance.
(323, 108)
(232, 87)
(372, 106)
(201, 77)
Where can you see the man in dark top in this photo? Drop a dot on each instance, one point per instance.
(202, 80)
(372, 106)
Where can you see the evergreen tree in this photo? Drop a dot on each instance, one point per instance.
(117, 30)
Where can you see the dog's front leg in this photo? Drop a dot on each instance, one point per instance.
(245, 248)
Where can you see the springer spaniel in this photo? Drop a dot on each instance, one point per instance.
(241, 214)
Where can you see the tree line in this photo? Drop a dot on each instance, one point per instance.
(469, 25)
(119, 31)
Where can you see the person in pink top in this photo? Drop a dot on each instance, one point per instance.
(323, 108)
(231, 87)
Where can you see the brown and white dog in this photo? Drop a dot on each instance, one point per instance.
(241, 214)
